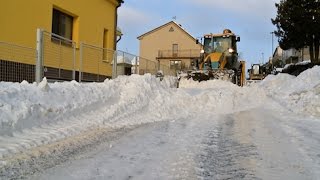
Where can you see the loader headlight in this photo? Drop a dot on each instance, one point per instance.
(202, 51)
(231, 50)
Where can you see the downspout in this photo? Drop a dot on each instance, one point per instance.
(119, 39)
(114, 66)
(116, 24)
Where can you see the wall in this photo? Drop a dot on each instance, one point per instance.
(162, 39)
(19, 20)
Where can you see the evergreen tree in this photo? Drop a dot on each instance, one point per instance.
(298, 25)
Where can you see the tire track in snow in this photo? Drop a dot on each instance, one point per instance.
(224, 157)
(46, 156)
(283, 150)
(307, 135)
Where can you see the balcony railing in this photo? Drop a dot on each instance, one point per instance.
(181, 54)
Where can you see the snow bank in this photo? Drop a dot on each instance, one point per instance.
(222, 96)
(33, 115)
(299, 94)
(26, 105)
(45, 113)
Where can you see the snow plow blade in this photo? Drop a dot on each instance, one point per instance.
(204, 75)
(250, 82)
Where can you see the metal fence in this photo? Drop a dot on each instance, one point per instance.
(147, 66)
(167, 70)
(184, 53)
(17, 62)
(58, 57)
(127, 63)
(95, 63)
(140, 65)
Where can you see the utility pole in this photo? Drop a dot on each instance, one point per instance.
(272, 49)
(272, 43)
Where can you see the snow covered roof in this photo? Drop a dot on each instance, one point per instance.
(119, 32)
(123, 59)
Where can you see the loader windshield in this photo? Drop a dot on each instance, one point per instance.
(217, 44)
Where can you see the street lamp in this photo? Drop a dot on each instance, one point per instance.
(271, 49)
(271, 43)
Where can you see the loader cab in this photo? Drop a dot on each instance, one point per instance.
(257, 72)
(220, 44)
(219, 51)
(256, 69)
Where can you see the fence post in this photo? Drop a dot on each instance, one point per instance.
(74, 61)
(136, 65)
(60, 57)
(147, 63)
(124, 61)
(100, 60)
(114, 66)
(81, 60)
(39, 62)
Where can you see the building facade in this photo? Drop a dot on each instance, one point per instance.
(282, 57)
(168, 45)
(93, 22)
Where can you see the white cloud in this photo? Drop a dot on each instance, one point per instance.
(247, 7)
(130, 17)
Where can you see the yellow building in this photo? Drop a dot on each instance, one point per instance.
(93, 22)
(168, 45)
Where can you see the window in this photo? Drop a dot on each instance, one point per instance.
(217, 44)
(174, 50)
(105, 38)
(175, 64)
(107, 55)
(62, 24)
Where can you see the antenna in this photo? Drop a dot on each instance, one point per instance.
(174, 17)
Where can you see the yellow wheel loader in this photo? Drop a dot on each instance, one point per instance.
(218, 59)
(257, 72)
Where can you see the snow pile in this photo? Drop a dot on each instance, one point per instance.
(33, 115)
(45, 113)
(304, 62)
(26, 105)
(299, 94)
(223, 96)
(188, 83)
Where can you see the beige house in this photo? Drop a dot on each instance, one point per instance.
(281, 57)
(169, 46)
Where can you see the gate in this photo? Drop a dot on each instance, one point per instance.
(56, 57)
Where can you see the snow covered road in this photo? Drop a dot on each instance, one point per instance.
(137, 127)
(236, 146)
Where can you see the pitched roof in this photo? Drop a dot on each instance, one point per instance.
(164, 25)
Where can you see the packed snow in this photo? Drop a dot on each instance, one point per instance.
(37, 120)
(299, 94)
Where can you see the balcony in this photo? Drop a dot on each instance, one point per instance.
(179, 54)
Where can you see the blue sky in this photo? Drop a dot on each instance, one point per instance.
(250, 19)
